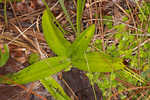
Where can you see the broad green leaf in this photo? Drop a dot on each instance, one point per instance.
(53, 35)
(54, 88)
(80, 45)
(98, 62)
(52, 16)
(80, 8)
(34, 57)
(4, 56)
(39, 70)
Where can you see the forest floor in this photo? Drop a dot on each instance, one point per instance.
(22, 31)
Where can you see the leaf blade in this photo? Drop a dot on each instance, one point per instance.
(80, 7)
(39, 70)
(80, 45)
(4, 56)
(98, 62)
(53, 35)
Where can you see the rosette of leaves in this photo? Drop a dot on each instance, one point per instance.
(67, 54)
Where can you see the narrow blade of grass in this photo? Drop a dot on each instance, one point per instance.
(80, 7)
(135, 75)
(66, 14)
(5, 12)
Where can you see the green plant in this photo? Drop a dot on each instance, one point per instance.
(34, 57)
(4, 56)
(80, 8)
(67, 55)
(75, 55)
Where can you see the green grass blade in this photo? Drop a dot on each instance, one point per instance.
(98, 62)
(135, 75)
(39, 70)
(53, 35)
(81, 43)
(66, 14)
(4, 56)
(54, 88)
(80, 7)
(5, 12)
